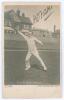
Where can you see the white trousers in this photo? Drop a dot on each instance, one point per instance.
(27, 60)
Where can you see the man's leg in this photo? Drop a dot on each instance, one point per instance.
(27, 61)
(41, 61)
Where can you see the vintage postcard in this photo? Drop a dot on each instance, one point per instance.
(31, 50)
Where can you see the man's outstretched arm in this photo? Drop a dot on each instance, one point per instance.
(22, 34)
(38, 41)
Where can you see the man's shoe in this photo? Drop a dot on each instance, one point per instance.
(45, 69)
(27, 68)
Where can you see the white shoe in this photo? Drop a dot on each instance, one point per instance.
(27, 68)
(45, 68)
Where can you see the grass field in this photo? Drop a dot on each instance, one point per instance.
(15, 73)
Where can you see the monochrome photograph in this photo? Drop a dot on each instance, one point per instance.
(31, 44)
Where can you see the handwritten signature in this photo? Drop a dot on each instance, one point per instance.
(43, 14)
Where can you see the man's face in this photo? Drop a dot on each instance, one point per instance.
(29, 34)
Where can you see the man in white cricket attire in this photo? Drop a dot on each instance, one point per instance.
(32, 50)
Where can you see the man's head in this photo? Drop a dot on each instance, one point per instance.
(27, 33)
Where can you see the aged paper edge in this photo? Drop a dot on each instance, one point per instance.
(30, 91)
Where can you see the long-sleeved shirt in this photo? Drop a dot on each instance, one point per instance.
(31, 42)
